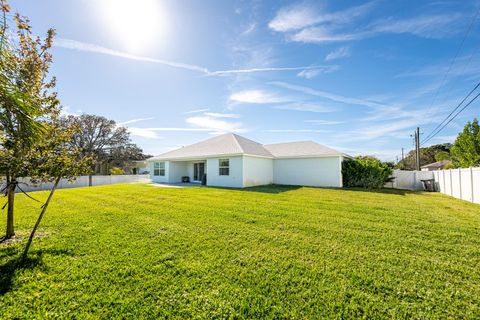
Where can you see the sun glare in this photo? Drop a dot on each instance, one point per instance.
(138, 25)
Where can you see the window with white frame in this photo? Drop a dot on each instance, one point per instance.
(159, 169)
(223, 167)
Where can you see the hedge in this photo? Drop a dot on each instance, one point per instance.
(365, 172)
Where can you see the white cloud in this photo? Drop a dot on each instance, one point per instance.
(152, 132)
(295, 131)
(322, 34)
(300, 16)
(255, 96)
(216, 125)
(305, 23)
(134, 121)
(196, 111)
(313, 72)
(306, 107)
(88, 47)
(328, 95)
(293, 18)
(222, 115)
(338, 53)
(433, 26)
(249, 29)
(143, 133)
(93, 48)
(324, 122)
(267, 69)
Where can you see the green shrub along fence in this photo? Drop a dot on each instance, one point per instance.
(365, 172)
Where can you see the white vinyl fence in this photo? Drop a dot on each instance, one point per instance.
(81, 181)
(409, 180)
(459, 183)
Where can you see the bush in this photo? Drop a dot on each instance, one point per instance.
(116, 171)
(365, 172)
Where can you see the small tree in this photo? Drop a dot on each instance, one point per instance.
(54, 159)
(26, 99)
(466, 149)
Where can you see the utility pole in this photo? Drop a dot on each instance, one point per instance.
(417, 149)
(403, 158)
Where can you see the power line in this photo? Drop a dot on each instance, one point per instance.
(464, 107)
(430, 135)
(474, 18)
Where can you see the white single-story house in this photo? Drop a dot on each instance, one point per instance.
(230, 160)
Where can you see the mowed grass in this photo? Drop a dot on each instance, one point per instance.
(137, 251)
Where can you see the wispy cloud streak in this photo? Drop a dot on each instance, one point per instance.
(93, 48)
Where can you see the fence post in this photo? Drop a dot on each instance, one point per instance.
(451, 183)
(443, 175)
(460, 182)
(471, 182)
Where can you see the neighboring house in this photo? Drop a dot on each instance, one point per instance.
(230, 160)
(140, 167)
(439, 165)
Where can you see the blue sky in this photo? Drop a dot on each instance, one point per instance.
(356, 76)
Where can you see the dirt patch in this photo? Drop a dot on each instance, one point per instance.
(21, 236)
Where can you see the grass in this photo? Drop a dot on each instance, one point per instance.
(137, 251)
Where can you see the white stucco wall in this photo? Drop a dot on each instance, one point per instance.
(257, 171)
(315, 172)
(177, 169)
(233, 180)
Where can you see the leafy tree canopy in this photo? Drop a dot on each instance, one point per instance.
(427, 155)
(466, 149)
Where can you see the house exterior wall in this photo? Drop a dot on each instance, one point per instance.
(159, 178)
(315, 172)
(257, 171)
(177, 169)
(233, 180)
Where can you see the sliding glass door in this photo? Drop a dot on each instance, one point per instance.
(198, 171)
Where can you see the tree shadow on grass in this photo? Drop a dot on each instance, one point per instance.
(277, 188)
(15, 265)
(272, 188)
(399, 192)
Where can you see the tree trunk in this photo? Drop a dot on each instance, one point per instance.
(89, 180)
(42, 213)
(11, 186)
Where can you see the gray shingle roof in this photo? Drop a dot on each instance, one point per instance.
(225, 144)
(300, 149)
(438, 164)
(232, 144)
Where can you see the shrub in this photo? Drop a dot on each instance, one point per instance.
(365, 172)
(116, 171)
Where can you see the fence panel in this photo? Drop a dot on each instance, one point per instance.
(409, 180)
(26, 185)
(459, 183)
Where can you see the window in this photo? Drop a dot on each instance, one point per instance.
(159, 169)
(223, 167)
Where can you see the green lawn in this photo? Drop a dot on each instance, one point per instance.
(137, 251)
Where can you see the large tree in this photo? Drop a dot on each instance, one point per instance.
(466, 149)
(26, 101)
(427, 155)
(104, 140)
